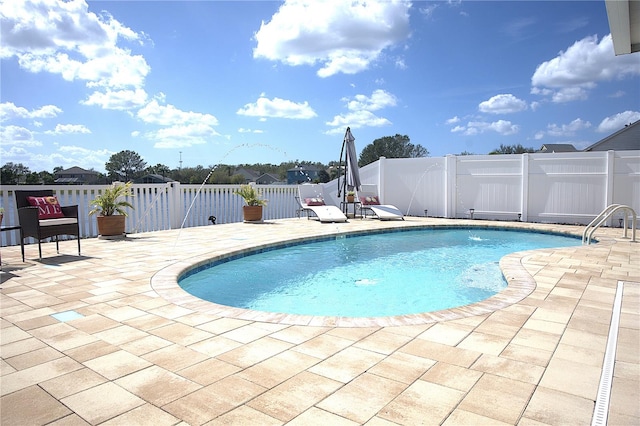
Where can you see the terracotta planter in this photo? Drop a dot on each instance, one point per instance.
(252, 213)
(111, 225)
(350, 198)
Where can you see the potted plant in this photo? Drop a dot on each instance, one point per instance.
(1, 214)
(351, 196)
(252, 212)
(110, 206)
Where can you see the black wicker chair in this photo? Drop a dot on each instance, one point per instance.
(40, 229)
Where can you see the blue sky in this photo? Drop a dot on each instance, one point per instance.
(209, 82)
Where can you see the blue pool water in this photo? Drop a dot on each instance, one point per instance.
(369, 275)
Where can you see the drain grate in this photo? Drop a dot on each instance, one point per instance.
(604, 389)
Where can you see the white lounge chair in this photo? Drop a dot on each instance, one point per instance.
(370, 201)
(311, 198)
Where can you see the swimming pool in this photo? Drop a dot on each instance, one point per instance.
(372, 275)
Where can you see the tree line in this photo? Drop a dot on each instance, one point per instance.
(128, 165)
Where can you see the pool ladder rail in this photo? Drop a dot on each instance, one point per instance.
(605, 215)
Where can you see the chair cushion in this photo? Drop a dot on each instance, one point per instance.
(370, 200)
(58, 221)
(48, 207)
(314, 201)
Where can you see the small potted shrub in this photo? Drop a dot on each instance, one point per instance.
(110, 206)
(351, 196)
(252, 212)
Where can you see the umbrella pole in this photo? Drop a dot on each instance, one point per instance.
(344, 176)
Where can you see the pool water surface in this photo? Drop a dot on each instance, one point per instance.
(372, 275)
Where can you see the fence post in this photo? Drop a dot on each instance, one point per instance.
(451, 186)
(524, 192)
(609, 182)
(381, 181)
(175, 205)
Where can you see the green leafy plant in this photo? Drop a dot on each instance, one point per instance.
(351, 193)
(111, 201)
(250, 195)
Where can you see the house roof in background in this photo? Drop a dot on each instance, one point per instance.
(625, 139)
(76, 171)
(557, 147)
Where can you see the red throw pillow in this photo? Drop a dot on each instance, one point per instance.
(370, 201)
(314, 201)
(48, 207)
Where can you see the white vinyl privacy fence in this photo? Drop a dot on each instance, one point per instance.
(550, 188)
(553, 188)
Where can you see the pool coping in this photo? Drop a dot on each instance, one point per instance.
(520, 283)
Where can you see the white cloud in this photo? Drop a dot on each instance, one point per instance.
(68, 128)
(118, 99)
(356, 120)
(340, 36)
(453, 120)
(618, 121)
(178, 128)
(180, 136)
(243, 130)
(379, 99)
(503, 104)
(360, 113)
(65, 38)
(428, 10)
(569, 94)
(169, 115)
(570, 75)
(502, 127)
(9, 111)
(18, 136)
(566, 130)
(277, 108)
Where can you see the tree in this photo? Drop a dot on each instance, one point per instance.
(159, 169)
(46, 178)
(511, 149)
(323, 176)
(397, 146)
(10, 173)
(125, 165)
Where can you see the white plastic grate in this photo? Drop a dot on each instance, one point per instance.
(601, 410)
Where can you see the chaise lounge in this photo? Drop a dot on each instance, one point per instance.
(311, 199)
(370, 201)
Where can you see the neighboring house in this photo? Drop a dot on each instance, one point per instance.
(76, 176)
(153, 178)
(557, 147)
(248, 175)
(267, 179)
(302, 174)
(625, 139)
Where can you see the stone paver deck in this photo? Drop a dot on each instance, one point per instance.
(108, 338)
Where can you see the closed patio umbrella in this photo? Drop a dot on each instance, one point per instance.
(351, 172)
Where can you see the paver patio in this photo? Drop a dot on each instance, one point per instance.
(132, 348)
